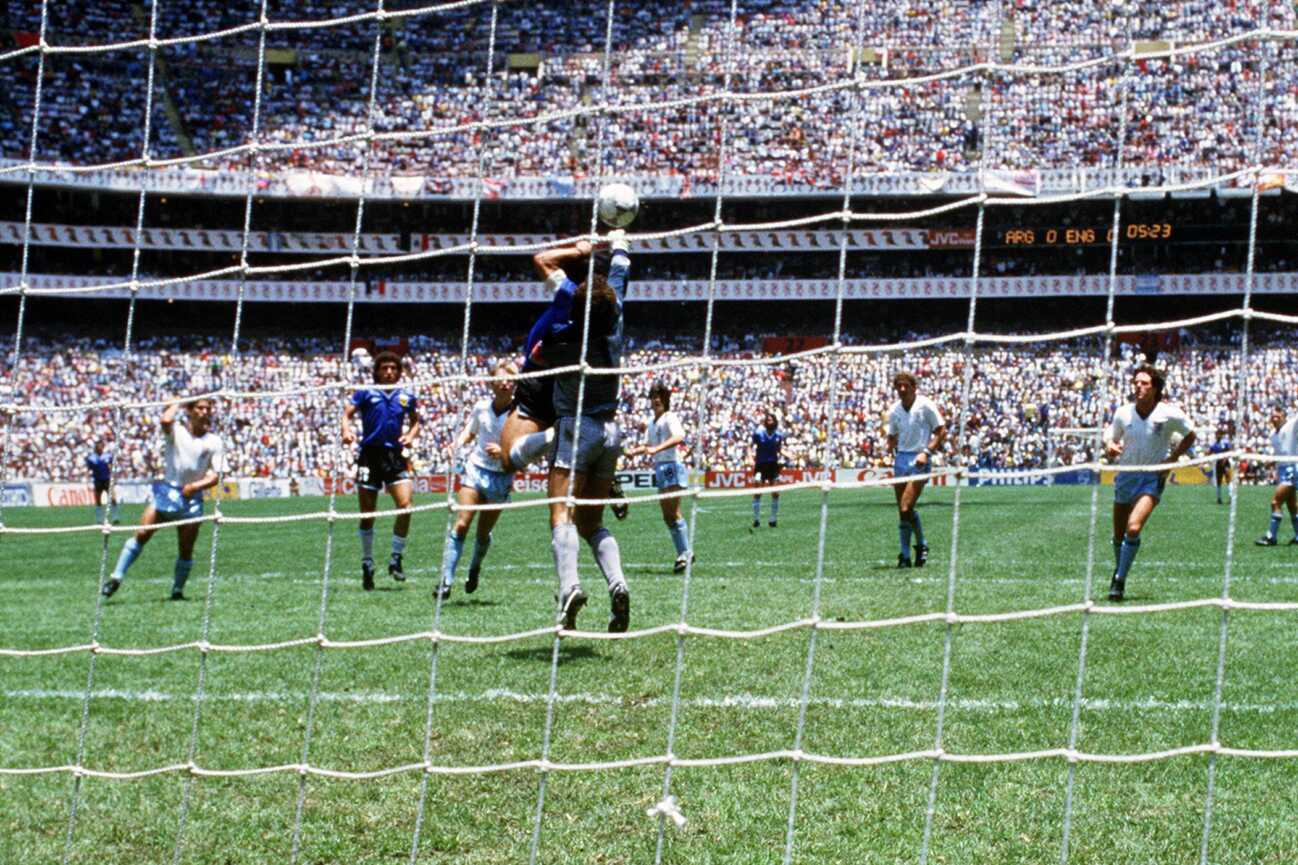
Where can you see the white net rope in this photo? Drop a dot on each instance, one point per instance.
(1263, 38)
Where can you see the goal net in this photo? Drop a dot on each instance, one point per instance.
(791, 694)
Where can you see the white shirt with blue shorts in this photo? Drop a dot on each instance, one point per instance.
(669, 471)
(482, 471)
(913, 429)
(185, 459)
(1145, 441)
(1284, 443)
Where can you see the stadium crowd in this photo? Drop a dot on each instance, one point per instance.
(1194, 109)
(1021, 397)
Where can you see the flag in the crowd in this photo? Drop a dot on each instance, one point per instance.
(493, 186)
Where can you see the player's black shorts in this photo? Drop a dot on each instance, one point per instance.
(768, 472)
(1223, 469)
(534, 398)
(102, 486)
(378, 467)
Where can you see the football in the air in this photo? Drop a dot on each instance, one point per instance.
(618, 205)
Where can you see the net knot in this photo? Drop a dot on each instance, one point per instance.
(322, 641)
(94, 647)
(204, 646)
(667, 807)
(797, 755)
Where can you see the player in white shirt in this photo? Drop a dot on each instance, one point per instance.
(1284, 443)
(666, 433)
(1140, 434)
(916, 430)
(483, 480)
(193, 460)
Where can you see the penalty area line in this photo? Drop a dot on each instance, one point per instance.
(741, 701)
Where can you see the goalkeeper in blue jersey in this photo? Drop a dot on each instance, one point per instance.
(767, 442)
(389, 425)
(1284, 443)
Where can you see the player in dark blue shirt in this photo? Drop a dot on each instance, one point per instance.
(100, 464)
(381, 461)
(1221, 468)
(766, 464)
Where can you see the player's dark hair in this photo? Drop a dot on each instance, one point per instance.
(906, 377)
(663, 392)
(1156, 377)
(769, 415)
(386, 357)
(603, 305)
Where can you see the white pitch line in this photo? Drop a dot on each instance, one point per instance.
(743, 701)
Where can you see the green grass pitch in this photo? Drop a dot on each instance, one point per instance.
(1149, 686)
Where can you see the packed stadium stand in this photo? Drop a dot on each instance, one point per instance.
(1021, 397)
(434, 77)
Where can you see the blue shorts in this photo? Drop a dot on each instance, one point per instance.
(493, 486)
(670, 475)
(171, 505)
(1286, 473)
(903, 465)
(1129, 486)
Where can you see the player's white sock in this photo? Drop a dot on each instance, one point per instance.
(757, 509)
(398, 545)
(112, 512)
(480, 547)
(451, 557)
(367, 544)
(99, 513)
(563, 543)
(530, 448)
(609, 557)
(1274, 528)
(775, 506)
(680, 537)
(130, 552)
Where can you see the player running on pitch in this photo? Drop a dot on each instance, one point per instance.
(1141, 434)
(193, 458)
(916, 430)
(381, 461)
(1284, 443)
(666, 433)
(483, 481)
(767, 441)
